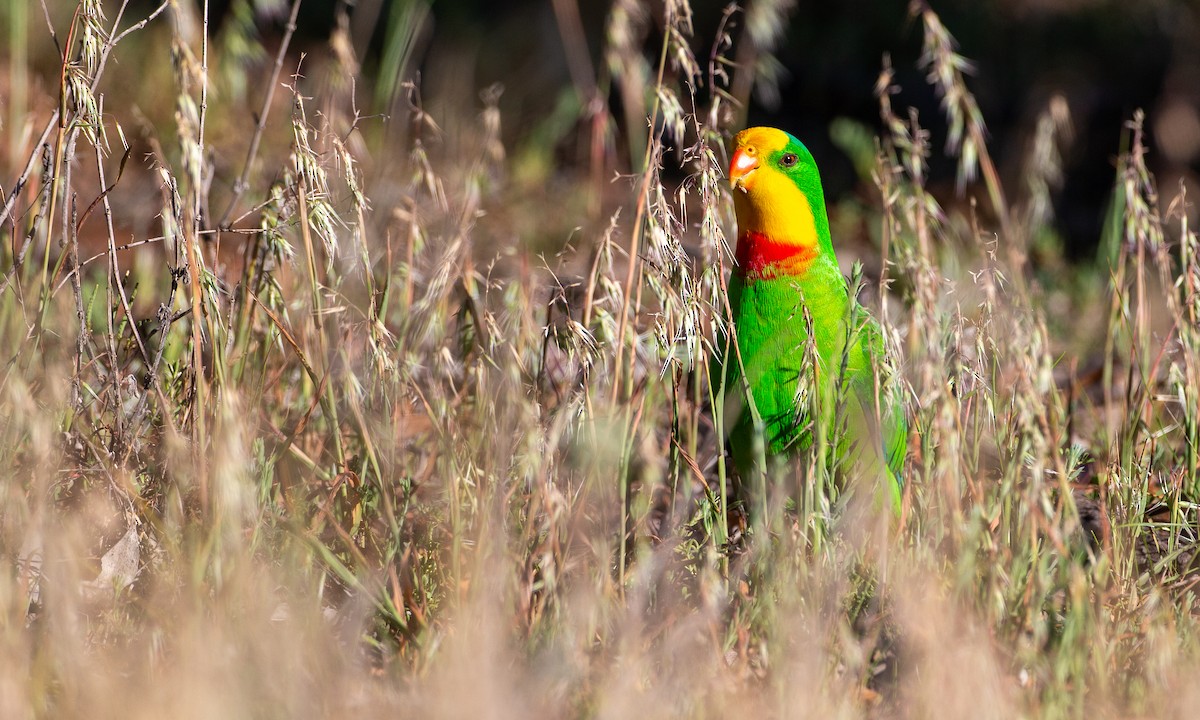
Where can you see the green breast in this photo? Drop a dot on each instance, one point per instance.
(772, 336)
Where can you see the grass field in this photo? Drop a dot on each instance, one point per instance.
(317, 401)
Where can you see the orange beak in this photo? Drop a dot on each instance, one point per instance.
(743, 163)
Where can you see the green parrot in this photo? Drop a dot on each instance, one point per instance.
(786, 263)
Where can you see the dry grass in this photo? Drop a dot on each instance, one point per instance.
(309, 413)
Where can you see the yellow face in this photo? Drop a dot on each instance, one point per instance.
(766, 197)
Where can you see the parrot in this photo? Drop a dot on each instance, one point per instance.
(785, 265)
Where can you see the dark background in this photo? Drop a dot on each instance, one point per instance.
(1107, 58)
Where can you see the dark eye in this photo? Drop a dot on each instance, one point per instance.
(788, 160)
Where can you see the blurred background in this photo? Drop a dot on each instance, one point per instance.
(813, 64)
(1106, 57)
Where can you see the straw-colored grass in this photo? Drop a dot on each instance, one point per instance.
(318, 403)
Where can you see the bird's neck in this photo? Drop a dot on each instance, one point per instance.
(780, 235)
(761, 257)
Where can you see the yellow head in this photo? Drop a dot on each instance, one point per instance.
(777, 190)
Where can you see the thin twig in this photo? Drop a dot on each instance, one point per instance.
(133, 28)
(192, 240)
(81, 341)
(24, 178)
(114, 268)
(242, 183)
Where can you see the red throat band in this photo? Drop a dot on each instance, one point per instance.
(760, 258)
